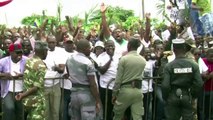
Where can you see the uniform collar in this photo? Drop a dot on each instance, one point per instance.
(132, 52)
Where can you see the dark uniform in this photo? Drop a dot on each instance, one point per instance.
(182, 81)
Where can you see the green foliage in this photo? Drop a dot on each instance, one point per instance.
(2, 27)
(92, 19)
(131, 23)
(119, 14)
(37, 19)
(115, 15)
(161, 5)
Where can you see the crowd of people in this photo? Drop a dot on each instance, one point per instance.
(113, 74)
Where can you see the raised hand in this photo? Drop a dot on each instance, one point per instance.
(80, 24)
(148, 15)
(103, 7)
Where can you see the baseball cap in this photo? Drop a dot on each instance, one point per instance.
(15, 47)
(99, 43)
(68, 38)
(8, 34)
(16, 35)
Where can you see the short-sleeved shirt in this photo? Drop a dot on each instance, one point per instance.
(148, 72)
(65, 83)
(181, 73)
(111, 72)
(130, 67)
(34, 77)
(120, 48)
(205, 4)
(79, 67)
(53, 59)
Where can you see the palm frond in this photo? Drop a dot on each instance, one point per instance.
(161, 7)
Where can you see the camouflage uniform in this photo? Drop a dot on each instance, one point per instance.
(34, 76)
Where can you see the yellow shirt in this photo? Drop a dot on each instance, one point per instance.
(205, 4)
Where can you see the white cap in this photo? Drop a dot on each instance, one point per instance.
(99, 43)
(178, 41)
(112, 27)
(211, 42)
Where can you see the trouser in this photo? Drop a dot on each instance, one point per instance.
(147, 100)
(159, 104)
(64, 104)
(11, 108)
(82, 105)
(35, 113)
(176, 108)
(208, 110)
(200, 106)
(52, 96)
(129, 97)
(109, 103)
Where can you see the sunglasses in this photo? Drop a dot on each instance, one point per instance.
(197, 54)
(18, 52)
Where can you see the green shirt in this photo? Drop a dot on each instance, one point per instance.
(123, 43)
(34, 76)
(205, 4)
(130, 67)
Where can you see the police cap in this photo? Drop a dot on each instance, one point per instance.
(178, 41)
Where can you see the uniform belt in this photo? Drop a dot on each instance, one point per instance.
(183, 89)
(133, 83)
(80, 86)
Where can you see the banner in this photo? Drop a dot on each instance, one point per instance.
(5, 3)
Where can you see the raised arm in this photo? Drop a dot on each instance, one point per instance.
(105, 27)
(147, 30)
(70, 25)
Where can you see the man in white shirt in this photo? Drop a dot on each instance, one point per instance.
(107, 67)
(66, 84)
(52, 83)
(147, 83)
(116, 35)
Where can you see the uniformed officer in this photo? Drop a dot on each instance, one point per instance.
(33, 97)
(85, 100)
(127, 88)
(181, 84)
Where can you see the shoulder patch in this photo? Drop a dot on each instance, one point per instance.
(182, 70)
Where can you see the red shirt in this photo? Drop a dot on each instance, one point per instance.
(208, 85)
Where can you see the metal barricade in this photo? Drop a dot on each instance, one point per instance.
(13, 93)
(154, 105)
(154, 99)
